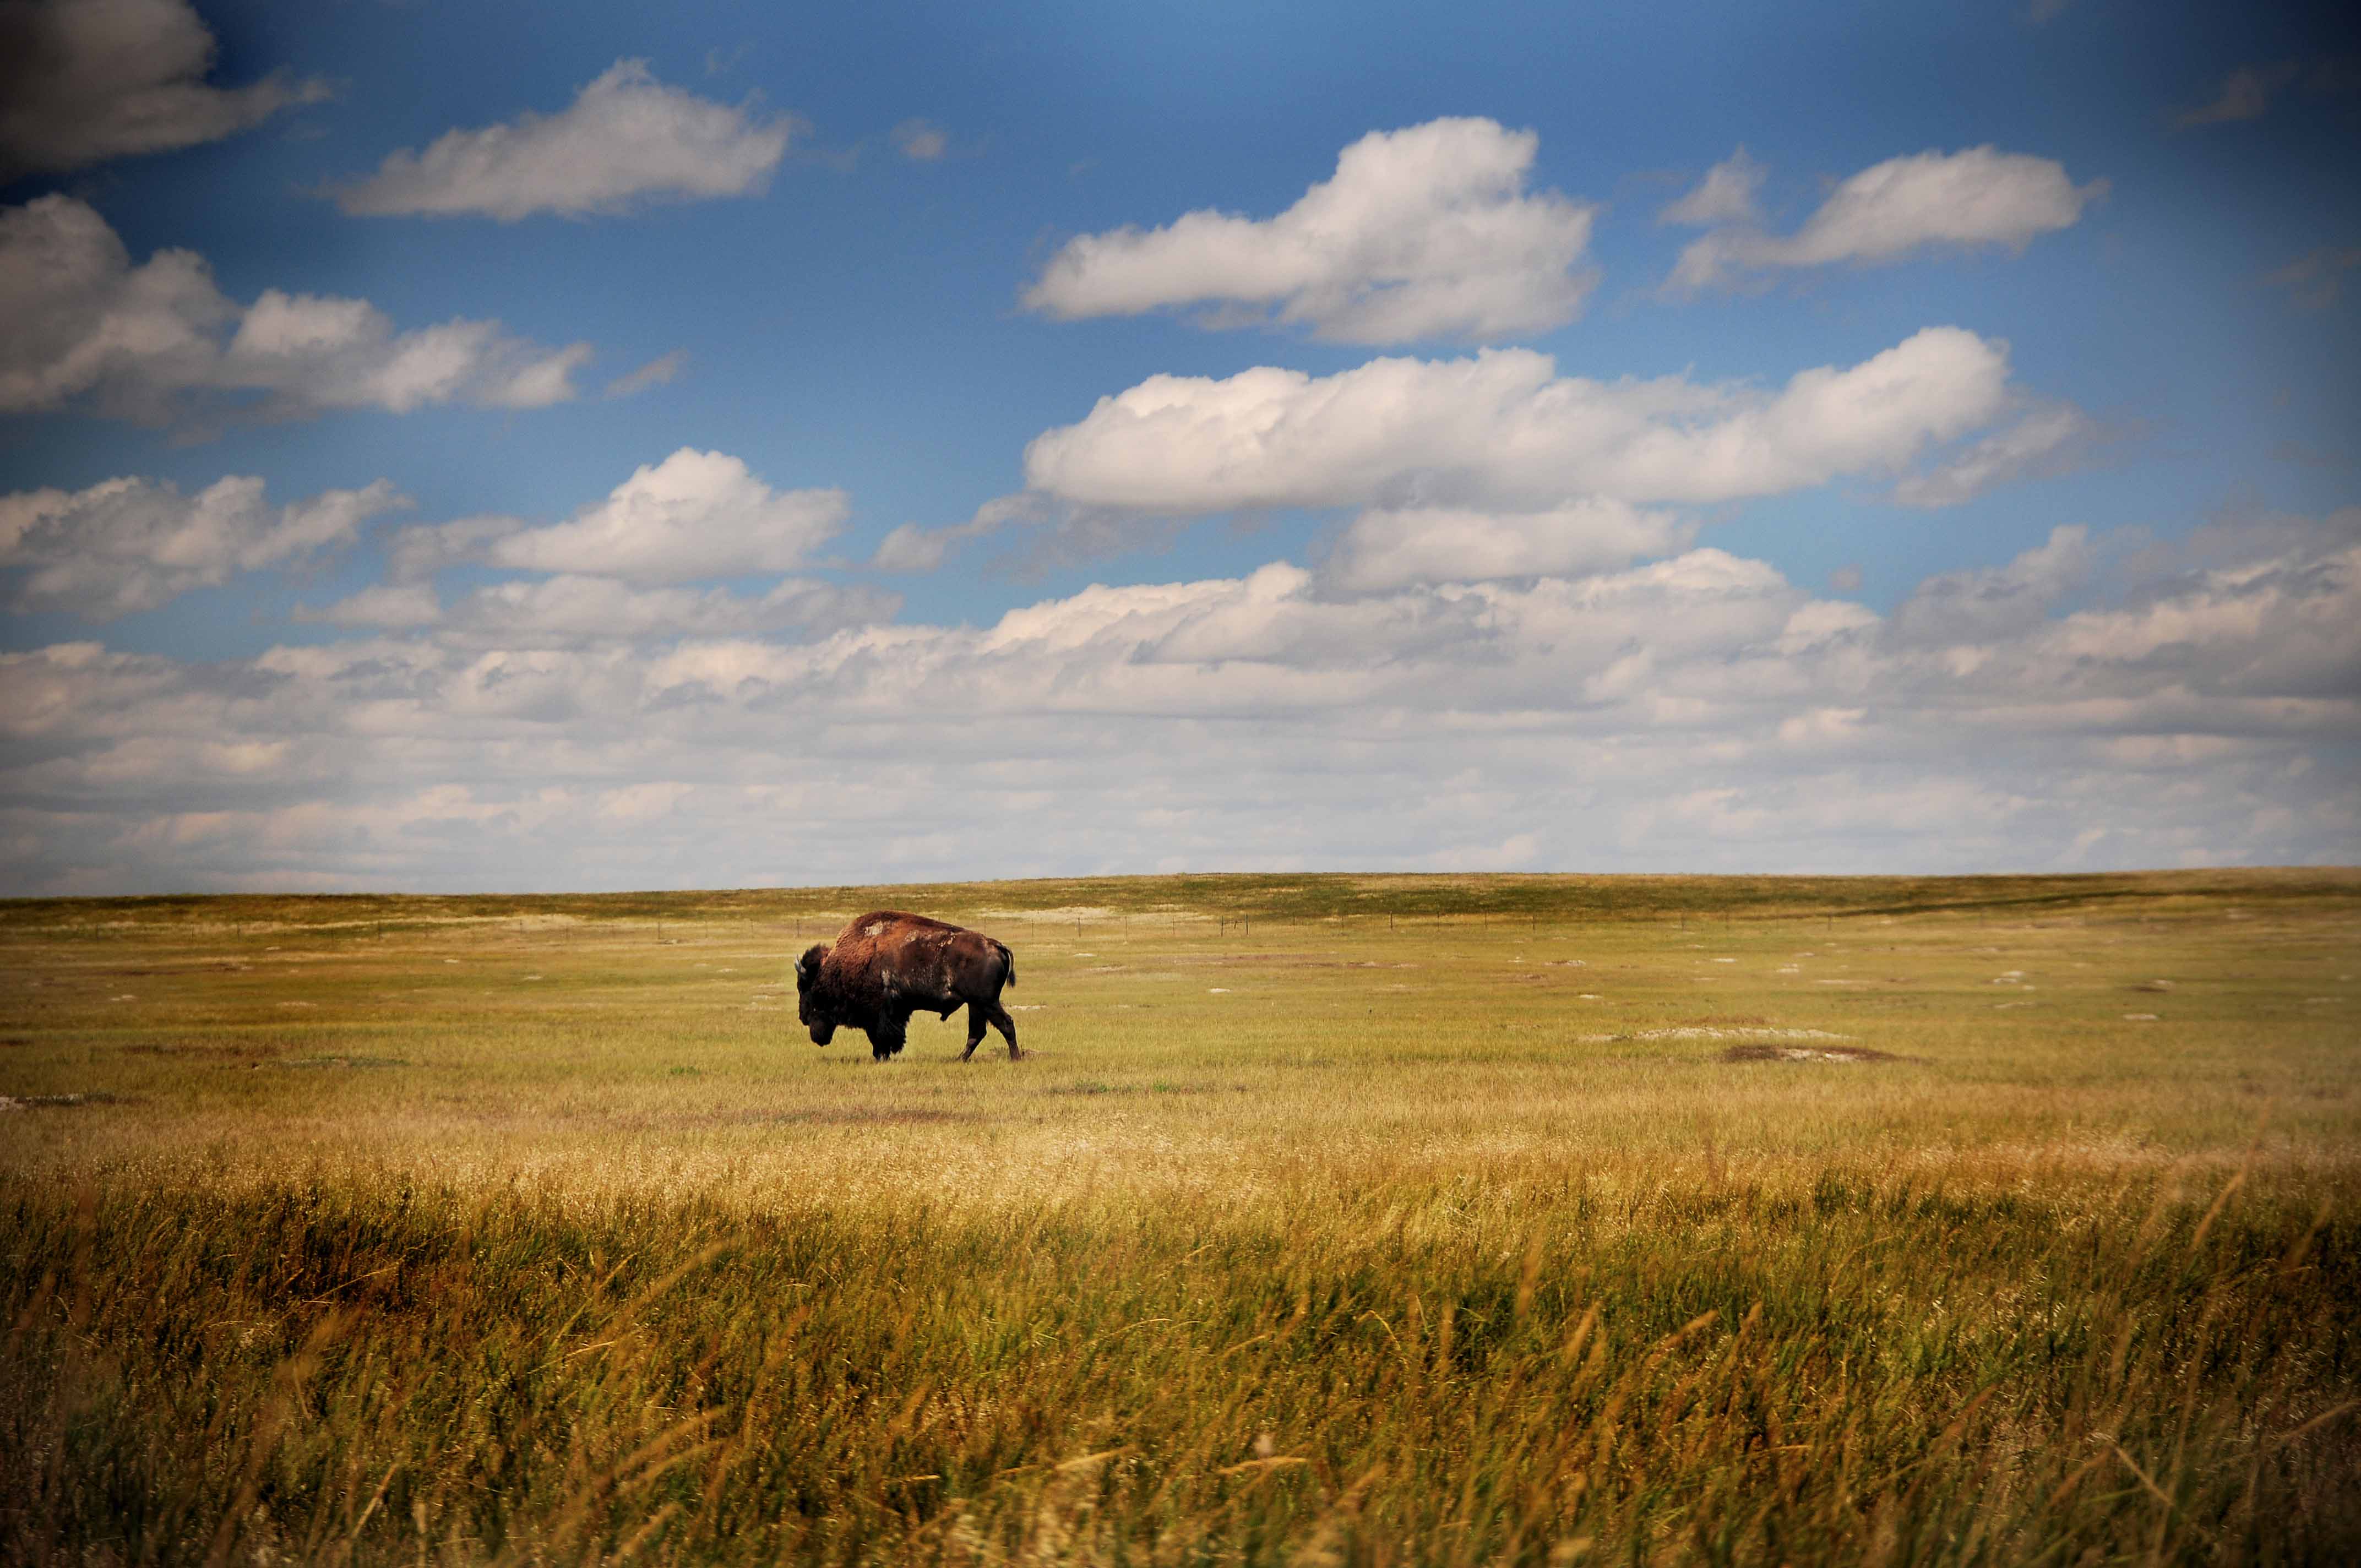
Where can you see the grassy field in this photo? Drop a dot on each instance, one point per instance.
(1329, 1220)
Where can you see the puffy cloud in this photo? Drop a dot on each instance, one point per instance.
(85, 81)
(159, 341)
(697, 514)
(308, 352)
(1504, 431)
(1726, 194)
(626, 138)
(1422, 233)
(1977, 198)
(1500, 437)
(131, 543)
(1698, 712)
(82, 317)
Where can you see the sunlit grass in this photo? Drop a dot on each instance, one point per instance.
(1371, 1219)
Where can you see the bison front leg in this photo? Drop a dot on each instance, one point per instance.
(893, 1029)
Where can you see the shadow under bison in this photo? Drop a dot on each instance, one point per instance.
(887, 965)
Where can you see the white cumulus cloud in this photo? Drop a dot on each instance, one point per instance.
(160, 342)
(696, 514)
(1504, 431)
(1422, 233)
(1978, 198)
(132, 543)
(627, 138)
(85, 81)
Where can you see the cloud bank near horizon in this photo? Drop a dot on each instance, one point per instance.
(1698, 712)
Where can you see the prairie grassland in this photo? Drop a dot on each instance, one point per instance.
(1330, 1219)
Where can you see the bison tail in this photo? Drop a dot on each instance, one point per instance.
(1007, 960)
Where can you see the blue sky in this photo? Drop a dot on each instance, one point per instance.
(439, 449)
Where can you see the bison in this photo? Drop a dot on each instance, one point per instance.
(887, 965)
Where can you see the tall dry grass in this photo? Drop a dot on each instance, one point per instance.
(1863, 1370)
(1355, 1243)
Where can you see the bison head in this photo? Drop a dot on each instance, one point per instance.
(810, 1008)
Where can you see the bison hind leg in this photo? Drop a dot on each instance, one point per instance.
(1001, 1020)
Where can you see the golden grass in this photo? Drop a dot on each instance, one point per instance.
(1370, 1220)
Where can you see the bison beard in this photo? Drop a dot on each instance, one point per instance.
(887, 965)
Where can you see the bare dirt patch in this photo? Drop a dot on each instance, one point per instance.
(1809, 1053)
(1717, 1032)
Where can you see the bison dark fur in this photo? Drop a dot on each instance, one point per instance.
(887, 965)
